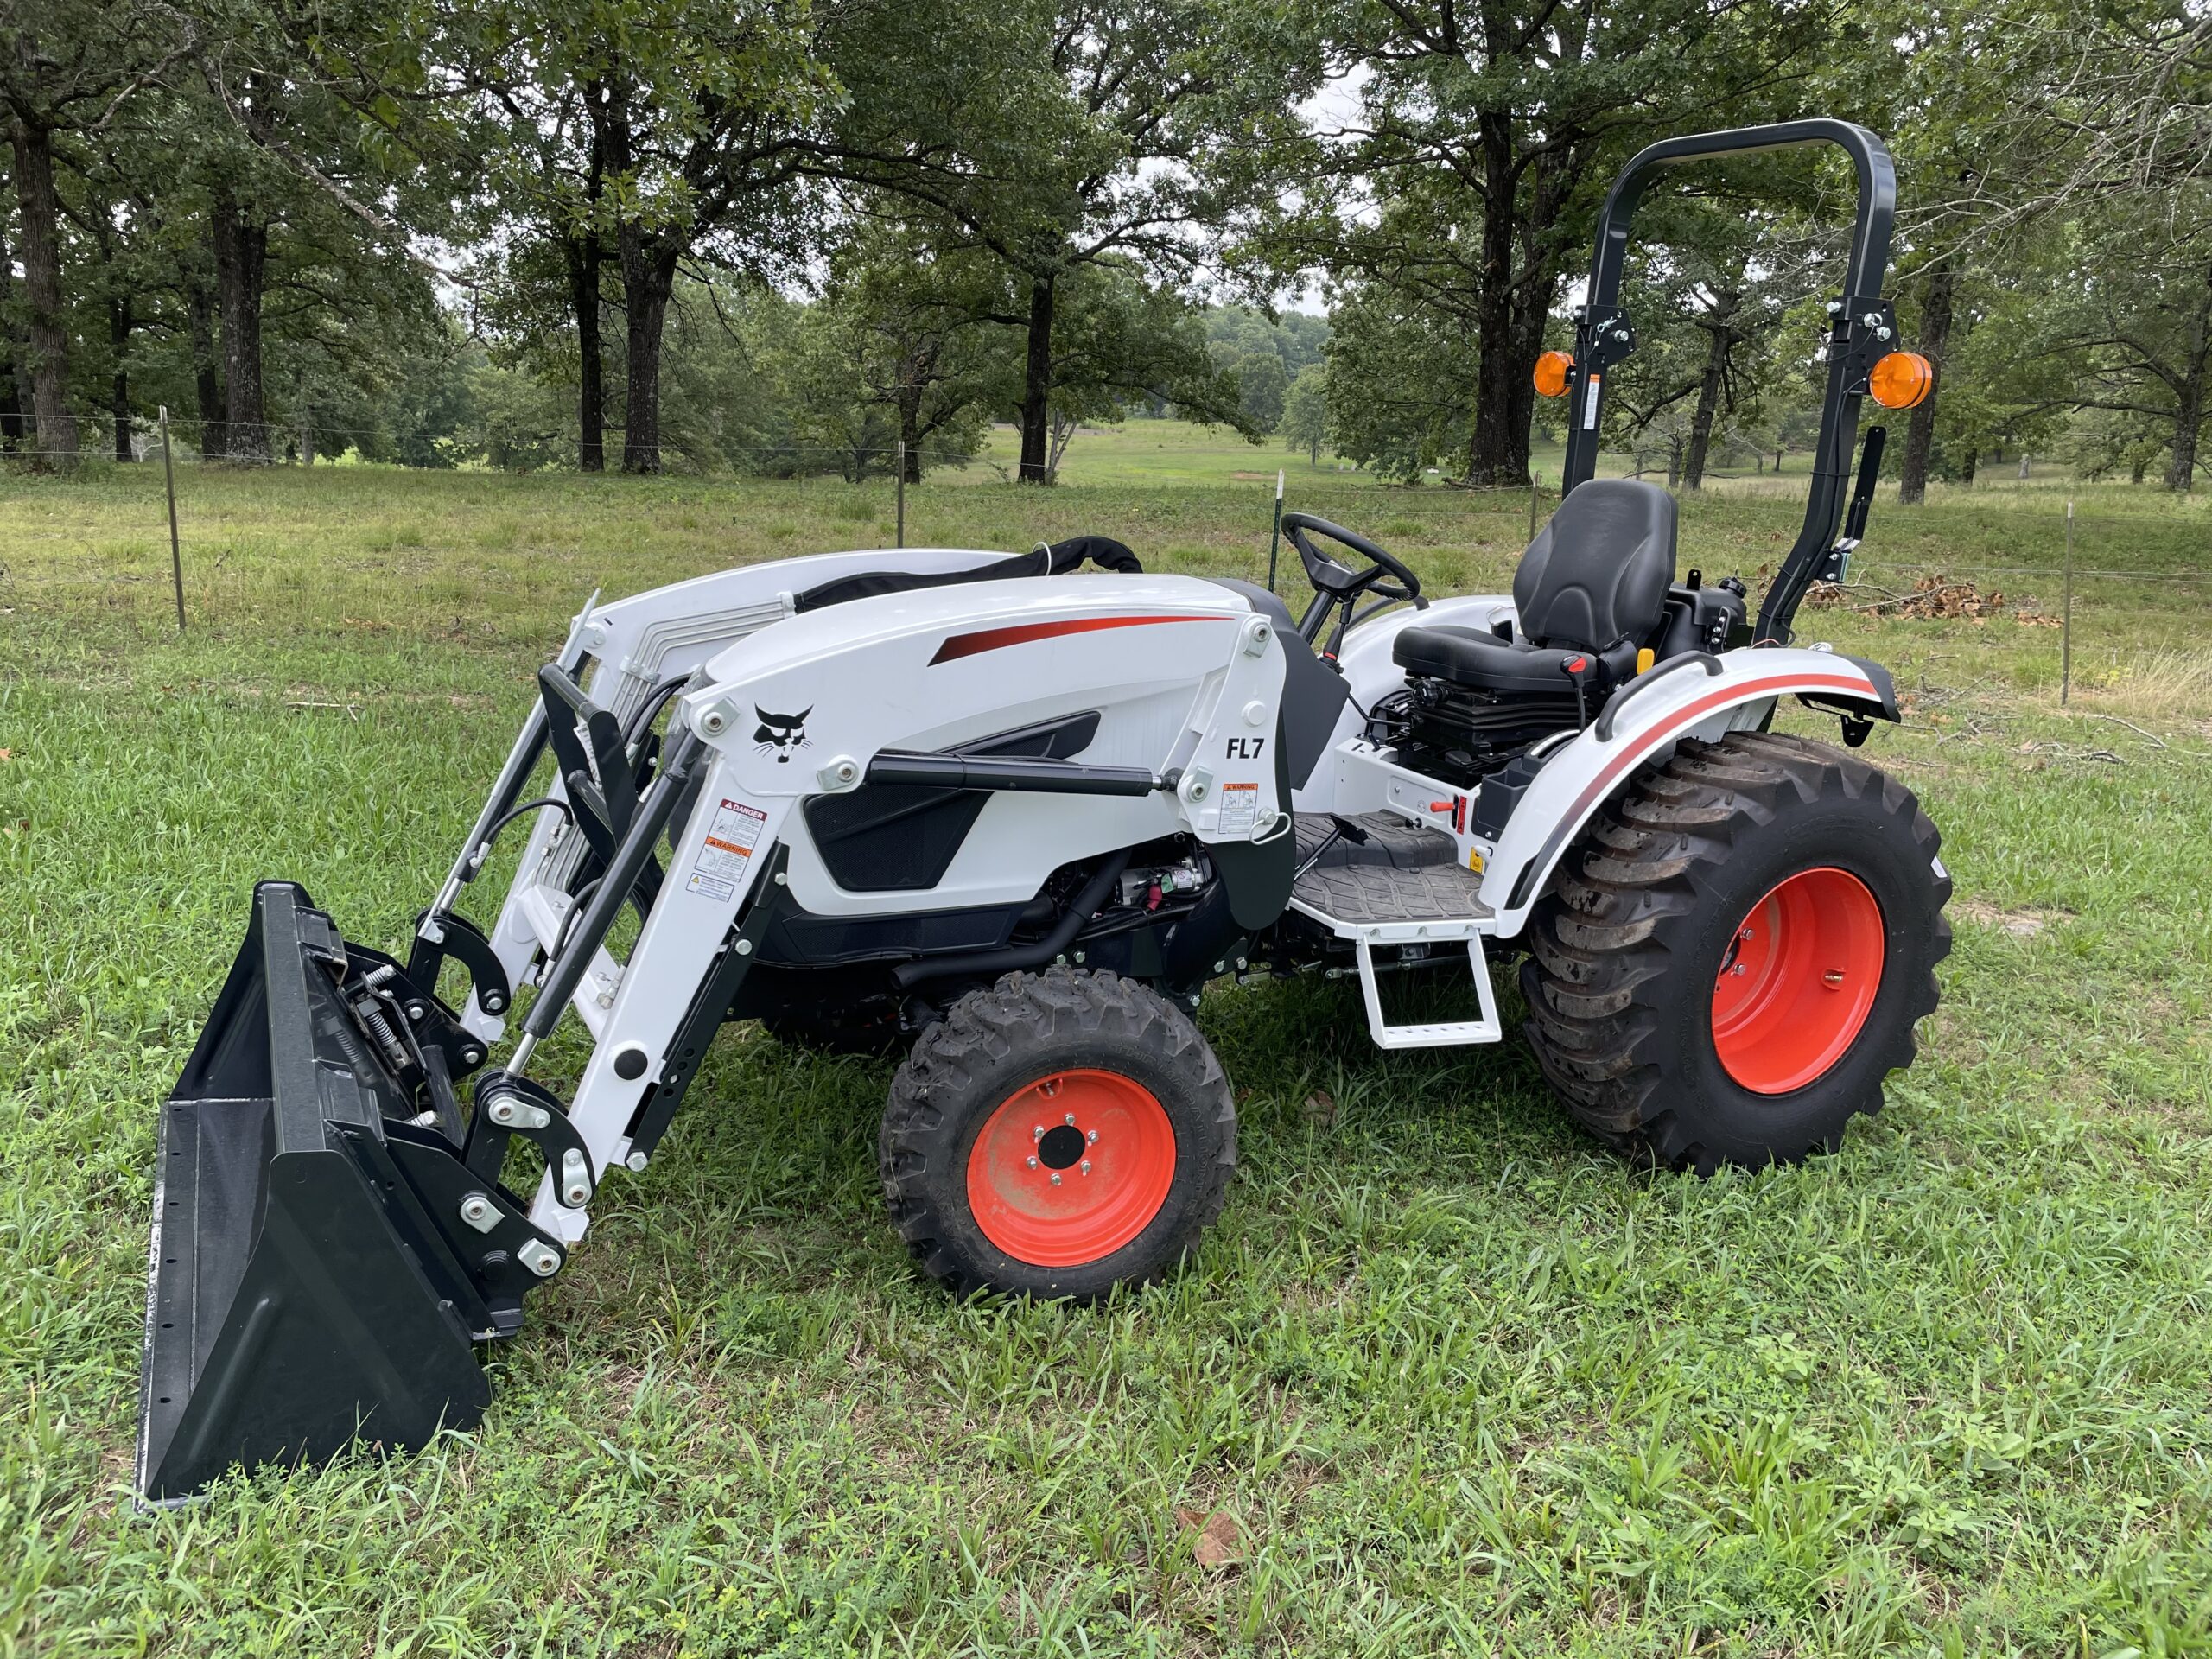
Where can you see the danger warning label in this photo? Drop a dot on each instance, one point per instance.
(730, 840)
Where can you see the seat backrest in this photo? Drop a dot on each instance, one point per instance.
(1599, 572)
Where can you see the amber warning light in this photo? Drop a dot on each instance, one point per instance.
(1899, 380)
(1552, 369)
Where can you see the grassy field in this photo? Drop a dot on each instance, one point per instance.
(1447, 1377)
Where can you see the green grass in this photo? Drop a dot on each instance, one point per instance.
(1463, 1381)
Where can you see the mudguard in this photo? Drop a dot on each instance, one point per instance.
(1701, 696)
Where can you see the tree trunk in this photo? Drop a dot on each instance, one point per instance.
(1675, 463)
(119, 322)
(2181, 472)
(648, 281)
(11, 356)
(1722, 342)
(1920, 428)
(1510, 314)
(1966, 471)
(49, 334)
(910, 433)
(584, 258)
(1037, 385)
(241, 254)
(207, 379)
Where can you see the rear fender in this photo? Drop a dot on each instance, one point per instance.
(1735, 692)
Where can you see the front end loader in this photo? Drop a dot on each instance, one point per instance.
(1015, 823)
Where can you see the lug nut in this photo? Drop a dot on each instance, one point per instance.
(1833, 979)
(1086, 1165)
(1055, 1177)
(1033, 1163)
(1068, 1119)
(1093, 1135)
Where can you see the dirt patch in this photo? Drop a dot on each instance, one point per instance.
(2021, 924)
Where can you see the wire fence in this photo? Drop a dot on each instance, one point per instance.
(2138, 575)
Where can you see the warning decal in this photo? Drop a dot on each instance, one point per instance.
(1240, 808)
(730, 840)
(1590, 405)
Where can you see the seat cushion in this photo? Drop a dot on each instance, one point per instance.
(1598, 573)
(1473, 657)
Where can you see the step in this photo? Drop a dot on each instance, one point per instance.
(1358, 897)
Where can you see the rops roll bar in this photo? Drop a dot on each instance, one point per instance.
(1864, 328)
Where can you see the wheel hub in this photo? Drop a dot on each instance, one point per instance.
(1798, 981)
(1072, 1167)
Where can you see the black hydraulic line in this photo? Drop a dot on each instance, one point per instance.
(656, 700)
(485, 841)
(632, 855)
(991, 964)
(1017, 773)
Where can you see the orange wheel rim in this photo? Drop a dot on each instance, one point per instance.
(1072, 1167)
(1798, 981)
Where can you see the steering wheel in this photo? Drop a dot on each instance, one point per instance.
(1339, 582)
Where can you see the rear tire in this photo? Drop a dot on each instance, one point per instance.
(1698, 985)
(976, 1133)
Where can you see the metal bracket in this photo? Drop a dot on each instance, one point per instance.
(1603, 341)
(1866, 331)
(508, 1105)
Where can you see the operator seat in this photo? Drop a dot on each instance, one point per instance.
(1593, 582)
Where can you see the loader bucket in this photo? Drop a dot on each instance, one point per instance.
(299, 1295)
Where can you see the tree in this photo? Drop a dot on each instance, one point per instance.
(1306, 412)
(1063, 139)
(69, 70)
(1465, 184)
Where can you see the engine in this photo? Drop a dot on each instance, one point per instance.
(1459, 735)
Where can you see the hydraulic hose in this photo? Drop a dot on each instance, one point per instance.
(1012, 958)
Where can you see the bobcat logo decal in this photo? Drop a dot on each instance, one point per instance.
(782, 735)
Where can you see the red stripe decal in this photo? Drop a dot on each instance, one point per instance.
(1637, 748)
(970, 645)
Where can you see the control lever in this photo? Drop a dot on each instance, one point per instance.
(1579, 669)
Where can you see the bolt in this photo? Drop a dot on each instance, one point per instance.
(1037, 1134)
(470, 1056)
(1068, 1119)
(636, 1161)
(416, 1010)
(1055, 1177)
(1620, 333)
(1835, 306)
(1737, 970)
(745, 947)
(1086, 1165)
(782, 879)
(1834, 978)
(1033, 1163)
(1078, 955)
(1242, 964)
(1092, 1137)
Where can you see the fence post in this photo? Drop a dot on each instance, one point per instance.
(1535, 488)
(176, 558)
(902, 491)
(1274, 536)
(2066, 618)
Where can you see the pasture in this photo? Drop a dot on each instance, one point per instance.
(1448, 1378)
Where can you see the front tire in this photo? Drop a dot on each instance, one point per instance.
(1058, 1134)
(1739, 953)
